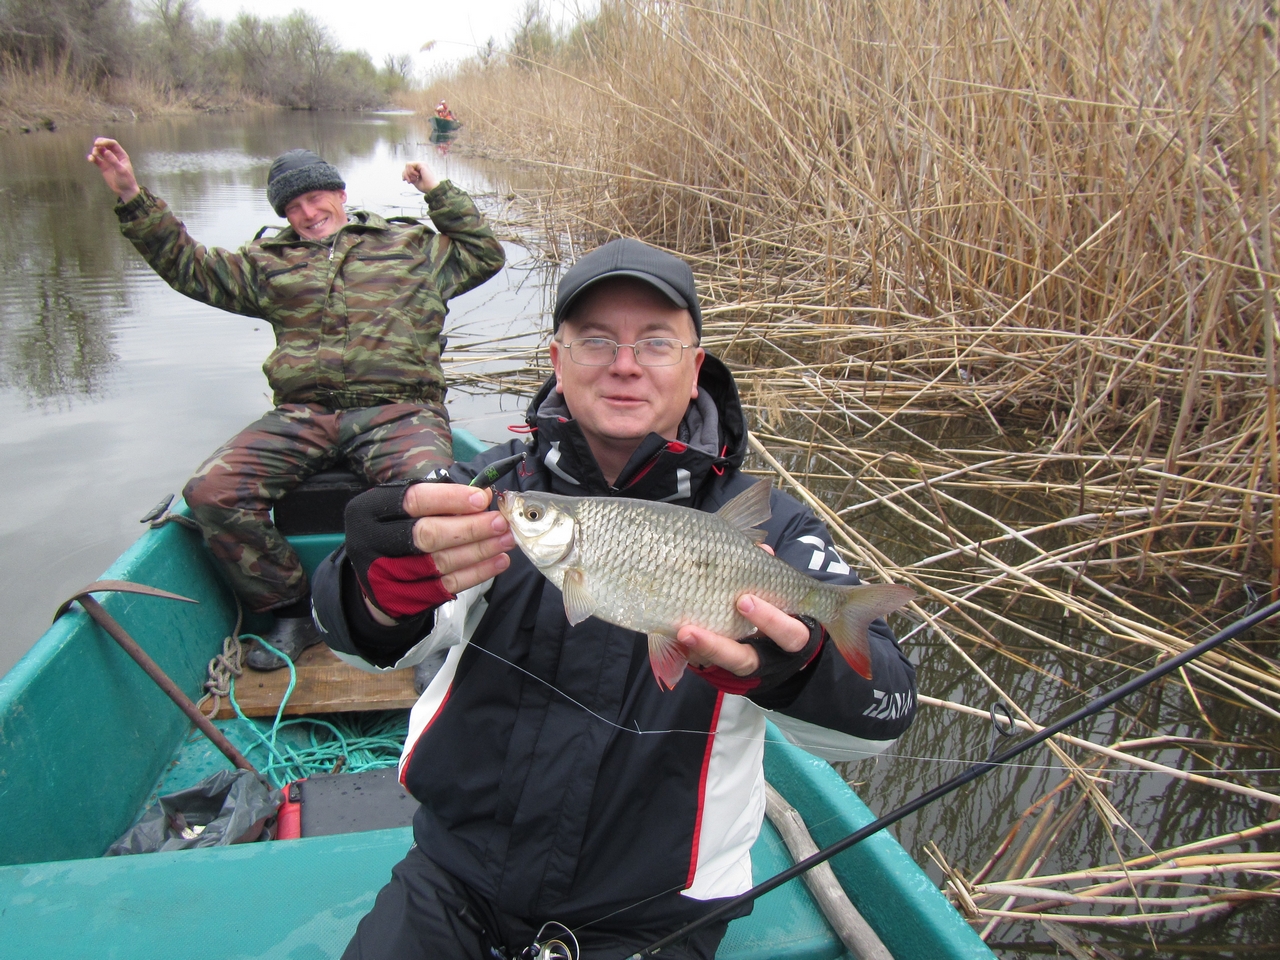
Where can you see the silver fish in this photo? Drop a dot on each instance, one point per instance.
(656, 567)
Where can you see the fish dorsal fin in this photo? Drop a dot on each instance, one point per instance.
(578, 602)
(749, 509)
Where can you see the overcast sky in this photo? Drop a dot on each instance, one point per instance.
(395, 26)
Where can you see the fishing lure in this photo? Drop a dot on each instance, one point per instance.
(496, 471)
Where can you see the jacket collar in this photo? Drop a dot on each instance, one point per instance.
(712, 438)
(359, 221)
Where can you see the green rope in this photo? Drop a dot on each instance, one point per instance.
(362, 741)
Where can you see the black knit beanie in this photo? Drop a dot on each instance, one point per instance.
(298, 172)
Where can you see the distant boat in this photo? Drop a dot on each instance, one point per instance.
(87, 741)
(442, 126)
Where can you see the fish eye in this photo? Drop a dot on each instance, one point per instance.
(532, 513)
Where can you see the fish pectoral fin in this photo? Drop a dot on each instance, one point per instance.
(862, 604)
(750, 508)
(666, 659)
(578, 602)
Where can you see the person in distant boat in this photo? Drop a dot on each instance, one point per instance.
(558, 782)
(358, 304)
(443, 111)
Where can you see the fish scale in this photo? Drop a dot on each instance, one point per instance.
(657, 567)
(678, 566)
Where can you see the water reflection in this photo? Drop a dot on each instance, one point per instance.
(62, 347)
(1064, 832)
(55, 311)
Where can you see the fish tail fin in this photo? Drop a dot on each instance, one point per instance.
(666, 660)
(862, 604)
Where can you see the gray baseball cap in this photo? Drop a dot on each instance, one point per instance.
(629, 258)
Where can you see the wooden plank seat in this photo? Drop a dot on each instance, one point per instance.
(325, 685)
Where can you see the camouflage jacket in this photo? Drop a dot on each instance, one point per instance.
(357, 322)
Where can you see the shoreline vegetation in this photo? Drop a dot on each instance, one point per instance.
(998, 282)
(33, 101)
(67, 61)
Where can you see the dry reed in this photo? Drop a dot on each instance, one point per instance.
(972, 262)
(42, 97)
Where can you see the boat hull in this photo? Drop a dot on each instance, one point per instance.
(85, 738)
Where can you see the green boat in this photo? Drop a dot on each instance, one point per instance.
(440, 126)
(87, 739)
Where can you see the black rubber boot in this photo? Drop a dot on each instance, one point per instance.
(290, 635)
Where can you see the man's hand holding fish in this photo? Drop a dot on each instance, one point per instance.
(704, 648)
(588, 749)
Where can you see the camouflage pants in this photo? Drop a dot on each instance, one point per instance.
(231, 494)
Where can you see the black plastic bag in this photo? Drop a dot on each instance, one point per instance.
(232, 806)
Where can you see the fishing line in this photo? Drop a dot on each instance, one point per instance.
(975, 771)
(605, 720)
(860, 759)
(554, 948)
(1057, 766)
(636, 729)
(1001, 724)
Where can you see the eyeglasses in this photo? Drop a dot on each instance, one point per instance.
(653, 352)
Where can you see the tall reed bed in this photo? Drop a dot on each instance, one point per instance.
(1046, 213)
(998, 281)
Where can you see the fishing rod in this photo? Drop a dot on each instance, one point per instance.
(967, 776)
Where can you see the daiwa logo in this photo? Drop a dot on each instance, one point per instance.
(552, 460)
(890, 707)
(819, 557)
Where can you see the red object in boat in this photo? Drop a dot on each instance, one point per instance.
(289, 820)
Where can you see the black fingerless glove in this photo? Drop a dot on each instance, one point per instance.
(776, 669)
(394, 575)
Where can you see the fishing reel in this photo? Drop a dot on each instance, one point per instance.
(556, 944)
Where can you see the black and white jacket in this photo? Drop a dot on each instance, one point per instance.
(555, 777)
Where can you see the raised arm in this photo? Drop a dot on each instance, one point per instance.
(222, 278)
(116, 168)
(420, 176)
(466, 254)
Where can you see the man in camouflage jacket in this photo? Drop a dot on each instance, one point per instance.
(357, 304)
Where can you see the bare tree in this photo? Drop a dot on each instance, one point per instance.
(534, 41)
(397, 72)
(91, 37)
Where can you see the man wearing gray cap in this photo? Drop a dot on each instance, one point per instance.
(561, 787)
(357, 304)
